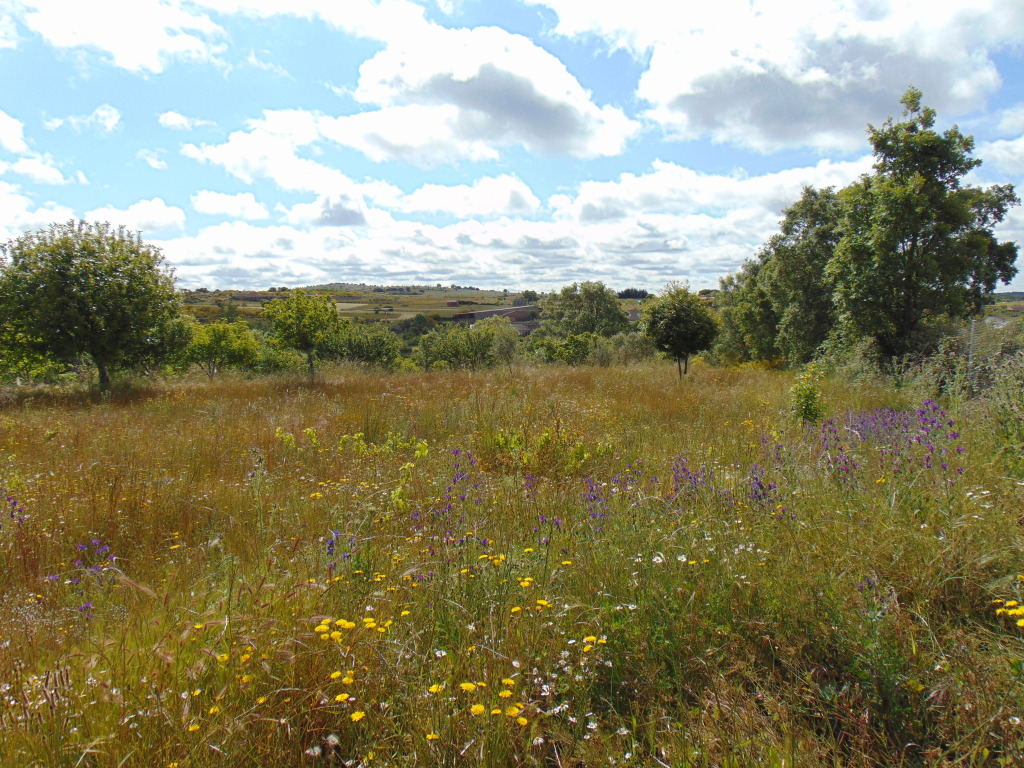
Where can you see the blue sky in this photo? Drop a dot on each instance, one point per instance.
(498, 143)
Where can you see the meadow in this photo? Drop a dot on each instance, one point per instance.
(527, 566)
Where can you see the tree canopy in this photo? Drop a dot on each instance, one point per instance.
(589, 307)
(679, 323)
(903, 248)
(917, 244)
(83, 289)
(307, 322)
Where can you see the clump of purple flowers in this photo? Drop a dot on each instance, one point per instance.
(15, 511)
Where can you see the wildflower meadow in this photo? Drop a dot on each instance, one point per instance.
(543, 566)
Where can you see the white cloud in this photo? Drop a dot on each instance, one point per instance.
(179, 122)
(489, 87)
(421, 135)
(1011, 121)
(640, 229)
(152, 158)
(8, 32)
(104, 119)
(501, 195)
(19, 214)
(1005, 155)
(136, 35)
(767, 75)
(39, 168)
(375, 19)
(12, 134)
(239, 206)
(344, 210)
(269, 150)
(146, 216)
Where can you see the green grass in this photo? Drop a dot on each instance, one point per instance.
(629, 570)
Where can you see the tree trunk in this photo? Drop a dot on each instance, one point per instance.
(309, 359)
(104, 376)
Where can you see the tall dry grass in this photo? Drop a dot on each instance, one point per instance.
(542, 566)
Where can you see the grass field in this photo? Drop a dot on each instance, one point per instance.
(542, 566)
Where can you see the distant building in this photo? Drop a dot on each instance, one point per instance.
(524, 319)
(453, 302)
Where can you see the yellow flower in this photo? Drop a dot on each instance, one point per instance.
(1012, 603)
(261, 700)
(341, 697)
(478, 709)
(348, 679)
(522, 720)
(357, 716)
(321, 628)
(193, 728)
(512, 711)
(223, 657)
(496, 711)
(335, 675)
(467, 687)
(505, 694)
(508, 681)
(214, 709)
(345, 624)
(436, 688)
(1020, 622)
(590, 639)
(432, 736)
(516, 609)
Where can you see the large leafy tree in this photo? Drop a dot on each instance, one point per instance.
(309, 323)
(748, 322)
(917, 244)
(679, 323)
(89, 290)
(793, 276)
(589, 307)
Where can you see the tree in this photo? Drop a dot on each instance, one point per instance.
(589, 307)
(221, 345)
(88, 290)
(679, 323)
(748, 321)
(307, 322)
(793, 275)
(917, 245)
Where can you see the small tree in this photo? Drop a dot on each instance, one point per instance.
(307, 322)
(222, 345)
(88, 290)
(679, 323)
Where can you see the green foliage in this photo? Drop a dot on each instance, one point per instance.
(222, 345)
(588, 307)
(1006, 400)
(917, 245)
(372, 344)
(805, 397)
(307, 322)
(679, 323)
(87, 290)
(487, 343)
(748, 321)
(888, 259)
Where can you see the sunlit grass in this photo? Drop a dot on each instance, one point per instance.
(540, 566)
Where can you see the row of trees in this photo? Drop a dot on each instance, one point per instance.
(89, 291)
(888, 259)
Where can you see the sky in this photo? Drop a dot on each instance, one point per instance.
(495, 143)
